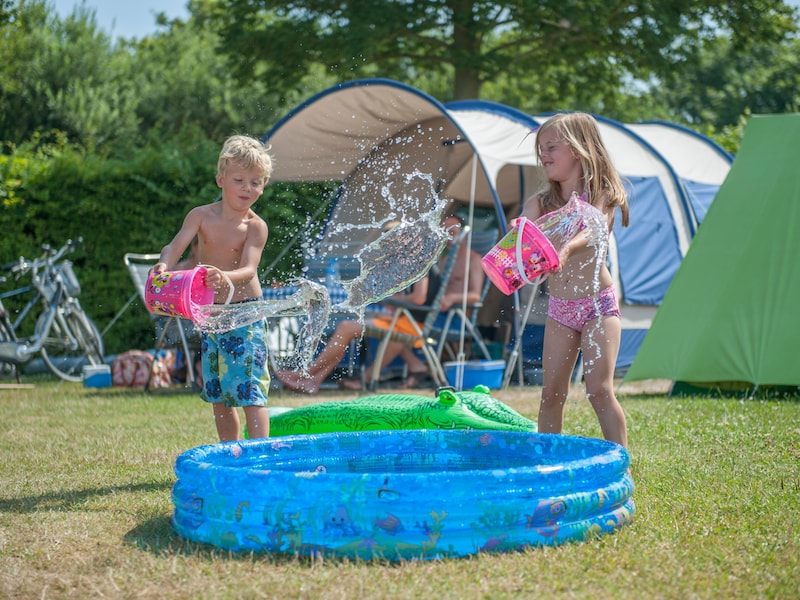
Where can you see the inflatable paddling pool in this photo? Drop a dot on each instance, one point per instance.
(406, 494)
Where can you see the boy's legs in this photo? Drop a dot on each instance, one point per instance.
(242, 381)
(257, 418)
(227, 421)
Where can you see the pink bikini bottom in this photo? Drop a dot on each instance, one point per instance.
(576, 313)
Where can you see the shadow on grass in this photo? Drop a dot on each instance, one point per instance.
(69, 500)
(158, 537)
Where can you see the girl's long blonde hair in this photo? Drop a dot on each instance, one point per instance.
(579, 130)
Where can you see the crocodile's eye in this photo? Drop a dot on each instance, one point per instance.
(447, 396)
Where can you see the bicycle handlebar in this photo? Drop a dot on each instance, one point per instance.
(22, 266)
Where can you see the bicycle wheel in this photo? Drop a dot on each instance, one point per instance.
(72, 342)
(7, 370)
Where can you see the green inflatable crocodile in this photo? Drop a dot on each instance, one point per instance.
(475, 409)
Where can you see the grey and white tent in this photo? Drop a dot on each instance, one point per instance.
(370, 134)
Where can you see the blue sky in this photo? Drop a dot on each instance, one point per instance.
(126, 18)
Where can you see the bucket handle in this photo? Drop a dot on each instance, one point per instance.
(520, 265)
(227, 280)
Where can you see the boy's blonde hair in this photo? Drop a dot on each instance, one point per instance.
(247, 153)
(580, 131)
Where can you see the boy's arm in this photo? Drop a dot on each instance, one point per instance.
(172, 252)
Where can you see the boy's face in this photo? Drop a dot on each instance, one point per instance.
(241, 187)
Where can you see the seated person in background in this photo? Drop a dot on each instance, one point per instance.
(346, 332)
(453, 294)
(422, 292)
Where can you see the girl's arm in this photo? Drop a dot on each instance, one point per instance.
(582, 239)
(532, 209)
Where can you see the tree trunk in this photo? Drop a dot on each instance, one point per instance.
(466, 51)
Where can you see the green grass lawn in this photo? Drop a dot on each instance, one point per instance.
(85, 505)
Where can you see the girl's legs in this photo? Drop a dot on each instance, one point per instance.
(560, 351)
(227, 421)
(600, 347)
(257, 418)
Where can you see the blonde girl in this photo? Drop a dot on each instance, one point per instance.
(583, 311)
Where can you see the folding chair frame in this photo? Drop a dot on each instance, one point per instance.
(424, 333)
(138, 266)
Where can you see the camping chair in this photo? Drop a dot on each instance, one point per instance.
(424, 332)
(139, 266)
(450, 333)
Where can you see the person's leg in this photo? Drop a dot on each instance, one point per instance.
(600, 347)
(325, 363)
(560, 351)
(415, 363)
(227, 421)
(257, 419)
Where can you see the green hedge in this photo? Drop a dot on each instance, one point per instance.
(133, 205)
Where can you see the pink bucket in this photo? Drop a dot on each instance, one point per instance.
(518, 259)
(178, 293)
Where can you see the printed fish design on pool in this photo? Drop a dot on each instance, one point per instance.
(474, 409)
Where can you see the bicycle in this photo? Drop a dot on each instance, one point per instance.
(64, 335)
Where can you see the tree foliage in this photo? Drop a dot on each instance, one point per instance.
(724, 85)
(114, 140)
(473, 42)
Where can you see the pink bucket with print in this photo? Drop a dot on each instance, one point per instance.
(524, 255)
(178, 293)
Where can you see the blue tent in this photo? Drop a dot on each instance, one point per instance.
(368, 134)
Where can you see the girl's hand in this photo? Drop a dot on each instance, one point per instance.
(563, 257)
(159, 267)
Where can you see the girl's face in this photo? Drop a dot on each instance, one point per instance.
(241, 187)
(557, 157)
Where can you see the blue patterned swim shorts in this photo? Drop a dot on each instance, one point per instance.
(235, 367)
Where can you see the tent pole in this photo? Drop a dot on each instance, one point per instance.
(461, 359)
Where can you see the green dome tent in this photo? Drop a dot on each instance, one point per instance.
(730, 317)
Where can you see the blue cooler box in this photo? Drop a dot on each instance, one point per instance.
(97, 376)
(477, 372)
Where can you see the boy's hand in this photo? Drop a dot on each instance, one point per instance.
(216, 279)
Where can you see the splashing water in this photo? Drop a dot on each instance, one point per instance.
(402, 254)
(561, 225)
(311, 300)
(396, 259)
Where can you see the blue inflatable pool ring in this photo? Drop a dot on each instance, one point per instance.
(406, 494)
